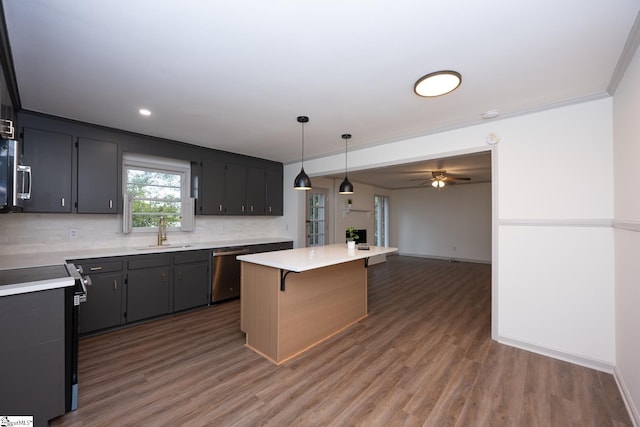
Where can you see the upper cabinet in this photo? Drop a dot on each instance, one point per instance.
(256, 191)
(98, 175)
(229, 187)
(208, 186)
(274, 192)
(235, 189)
(50, 155)
(77, 168)
(63, 184)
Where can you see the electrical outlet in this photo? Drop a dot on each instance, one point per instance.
(73, 233)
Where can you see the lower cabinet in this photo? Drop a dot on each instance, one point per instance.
(32, 356)
(131, 288)
(191, 279)
(105, 296)
(148, 280)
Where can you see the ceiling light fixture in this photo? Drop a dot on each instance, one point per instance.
(144, 112)
(437, 183)
(346, 187)
(437, 83)
(302, 181)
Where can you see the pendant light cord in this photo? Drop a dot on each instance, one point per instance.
(302, 123)
(346, 142)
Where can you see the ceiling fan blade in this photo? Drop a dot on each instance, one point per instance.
(458, 178)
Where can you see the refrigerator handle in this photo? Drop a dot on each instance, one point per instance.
(26, 170)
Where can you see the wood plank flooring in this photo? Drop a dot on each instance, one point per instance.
(423, 356)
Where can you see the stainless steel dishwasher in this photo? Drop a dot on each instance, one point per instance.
(225, 275)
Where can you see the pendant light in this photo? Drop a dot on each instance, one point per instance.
(302, 181)
(346, 187)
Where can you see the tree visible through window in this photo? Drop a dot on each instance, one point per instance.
(156, 187)
(154, 194)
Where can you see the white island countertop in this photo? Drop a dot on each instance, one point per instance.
(303, 259)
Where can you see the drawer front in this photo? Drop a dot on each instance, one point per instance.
(185, 257)
(146, 261)
(99, 265)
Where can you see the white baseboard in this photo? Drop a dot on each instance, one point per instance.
(587, 362)
(626, 397)
(477, 261)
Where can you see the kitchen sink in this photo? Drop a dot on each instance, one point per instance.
(163, 246)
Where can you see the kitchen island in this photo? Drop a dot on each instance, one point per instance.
(294, 299)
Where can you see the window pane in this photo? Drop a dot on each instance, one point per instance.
(154, 194)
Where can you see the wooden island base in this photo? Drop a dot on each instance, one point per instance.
(315, 305)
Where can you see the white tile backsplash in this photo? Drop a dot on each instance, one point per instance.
(29, 233)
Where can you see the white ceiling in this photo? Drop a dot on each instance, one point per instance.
(234, 75)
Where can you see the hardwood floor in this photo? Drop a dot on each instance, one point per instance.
(423, 356)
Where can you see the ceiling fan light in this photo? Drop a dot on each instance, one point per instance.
(346, 187)
(437, 83)
(437, 183)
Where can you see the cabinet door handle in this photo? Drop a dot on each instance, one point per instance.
(98, 268)
(62, 202)
(220, 208)
(251, 208)
(110, 204)
(242, 208)
(269, 209)
(115, 285)
(163, 276)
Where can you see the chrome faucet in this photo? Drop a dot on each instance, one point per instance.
(162, 230)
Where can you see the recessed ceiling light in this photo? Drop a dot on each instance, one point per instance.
(144, 112)
(437, 83)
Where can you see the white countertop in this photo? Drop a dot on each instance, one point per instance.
(40, 285)
(48, 257)
(303, 259)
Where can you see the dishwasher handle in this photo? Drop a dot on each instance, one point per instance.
(227, 252)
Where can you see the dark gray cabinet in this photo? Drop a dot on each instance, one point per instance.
(274, 192)
(32, 355)
(232, 188)
(191, 279)
(148, 282)
(105, 296)
(256, 191)
(210, 188)
(98, 176)
(154, 285)
(50, 156)
(235, 189)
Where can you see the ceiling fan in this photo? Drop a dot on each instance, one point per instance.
(439, 179)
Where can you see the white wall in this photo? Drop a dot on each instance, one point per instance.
(451, 223)
(555, 290)
(626, 131)
(552, 175)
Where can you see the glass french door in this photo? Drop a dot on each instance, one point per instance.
(381, 220)
(316, 217)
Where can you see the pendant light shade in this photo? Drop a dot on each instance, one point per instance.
(302, 181)
(346, 187)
